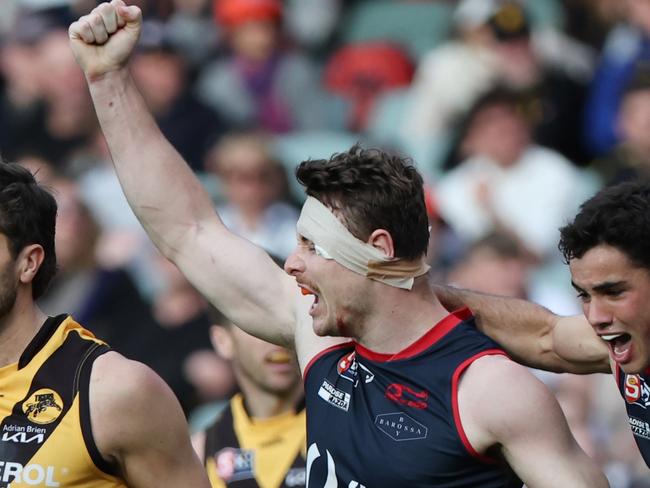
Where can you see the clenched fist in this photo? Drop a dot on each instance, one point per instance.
(103, 40)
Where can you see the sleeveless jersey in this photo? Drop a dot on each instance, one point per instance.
(635, 389)
(241, 452)
(392, 420)
(45, 434)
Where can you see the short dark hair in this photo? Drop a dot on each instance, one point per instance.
(618, 216)
(28, 216)
(372, 189)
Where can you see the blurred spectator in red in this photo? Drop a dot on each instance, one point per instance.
(260, 82)
(255, 192)
(361, 72)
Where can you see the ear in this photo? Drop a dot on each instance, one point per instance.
(382, 240)
(222, 341)
(29, 262)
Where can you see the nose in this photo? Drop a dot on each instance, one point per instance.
(598, 314)
(294, 264)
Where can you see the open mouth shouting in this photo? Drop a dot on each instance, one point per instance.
(308, 291)
(620, 346)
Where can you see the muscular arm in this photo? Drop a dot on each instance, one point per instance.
(138, 424)
(532, 334)
(503, 405)
(177, 213)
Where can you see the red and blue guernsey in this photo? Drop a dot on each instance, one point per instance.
(635, 388)
(376, 420)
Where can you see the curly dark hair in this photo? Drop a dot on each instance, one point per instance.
(28, 216)
(618, 216)
(372, 189)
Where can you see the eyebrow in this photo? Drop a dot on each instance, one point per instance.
(605, 287)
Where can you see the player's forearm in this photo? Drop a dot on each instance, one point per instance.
(523, 328)
(161, 189)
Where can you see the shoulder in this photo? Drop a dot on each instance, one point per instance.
(128, 400)
(491, 379)
(120, 380)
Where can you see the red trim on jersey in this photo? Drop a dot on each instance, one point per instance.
(433, 335)
(318, 355)
(454, 402)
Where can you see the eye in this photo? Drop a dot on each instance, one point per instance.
(583, 296)
(615, 292)
(306, 243)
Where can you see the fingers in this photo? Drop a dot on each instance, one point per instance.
(132, 14)
(81, 30)
(103, 21)
(120, 19)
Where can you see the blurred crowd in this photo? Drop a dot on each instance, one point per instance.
(514, 112)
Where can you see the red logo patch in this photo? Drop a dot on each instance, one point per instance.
(406, 395)
(345, 363)
(632, 388)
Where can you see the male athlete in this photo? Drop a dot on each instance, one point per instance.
(259, 438)
(416, 398)
(74, 414)
(606, 247)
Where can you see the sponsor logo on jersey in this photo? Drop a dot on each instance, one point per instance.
(296, 477)
(640, 428)
(43, 406)
(405, 395)
(400, 427)
(334, 396)
(349, 369)
(235, 464)
(23, 434)
(636, 391)
(29, 474)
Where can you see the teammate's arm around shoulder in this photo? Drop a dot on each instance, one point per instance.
(532, 334)
(166, 196)
(501, 404)
(138, 425)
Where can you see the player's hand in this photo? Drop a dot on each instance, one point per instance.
(103, 40)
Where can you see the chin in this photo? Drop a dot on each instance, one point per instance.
(323, 329)
(633, 367)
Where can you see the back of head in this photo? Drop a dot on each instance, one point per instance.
(28, 216)
(370, 189)
(617, 216)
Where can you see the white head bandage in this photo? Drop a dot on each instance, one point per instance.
(332, 240)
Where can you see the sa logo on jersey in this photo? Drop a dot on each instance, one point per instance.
(637, 391)
(632, 387)
(43, 406)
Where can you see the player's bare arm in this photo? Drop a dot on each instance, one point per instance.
(139, 426)
(237, 277)
(529, 428)
(532, 334)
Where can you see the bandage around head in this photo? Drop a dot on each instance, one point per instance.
(333, 240)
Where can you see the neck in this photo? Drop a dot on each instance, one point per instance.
(262, 404)
(401, 317)
(17, 329)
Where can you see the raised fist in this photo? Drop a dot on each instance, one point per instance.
(103, 40)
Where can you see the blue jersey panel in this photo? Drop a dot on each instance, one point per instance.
(375, 420)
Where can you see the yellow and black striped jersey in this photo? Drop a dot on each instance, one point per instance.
(243, 452)
(45, 434)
